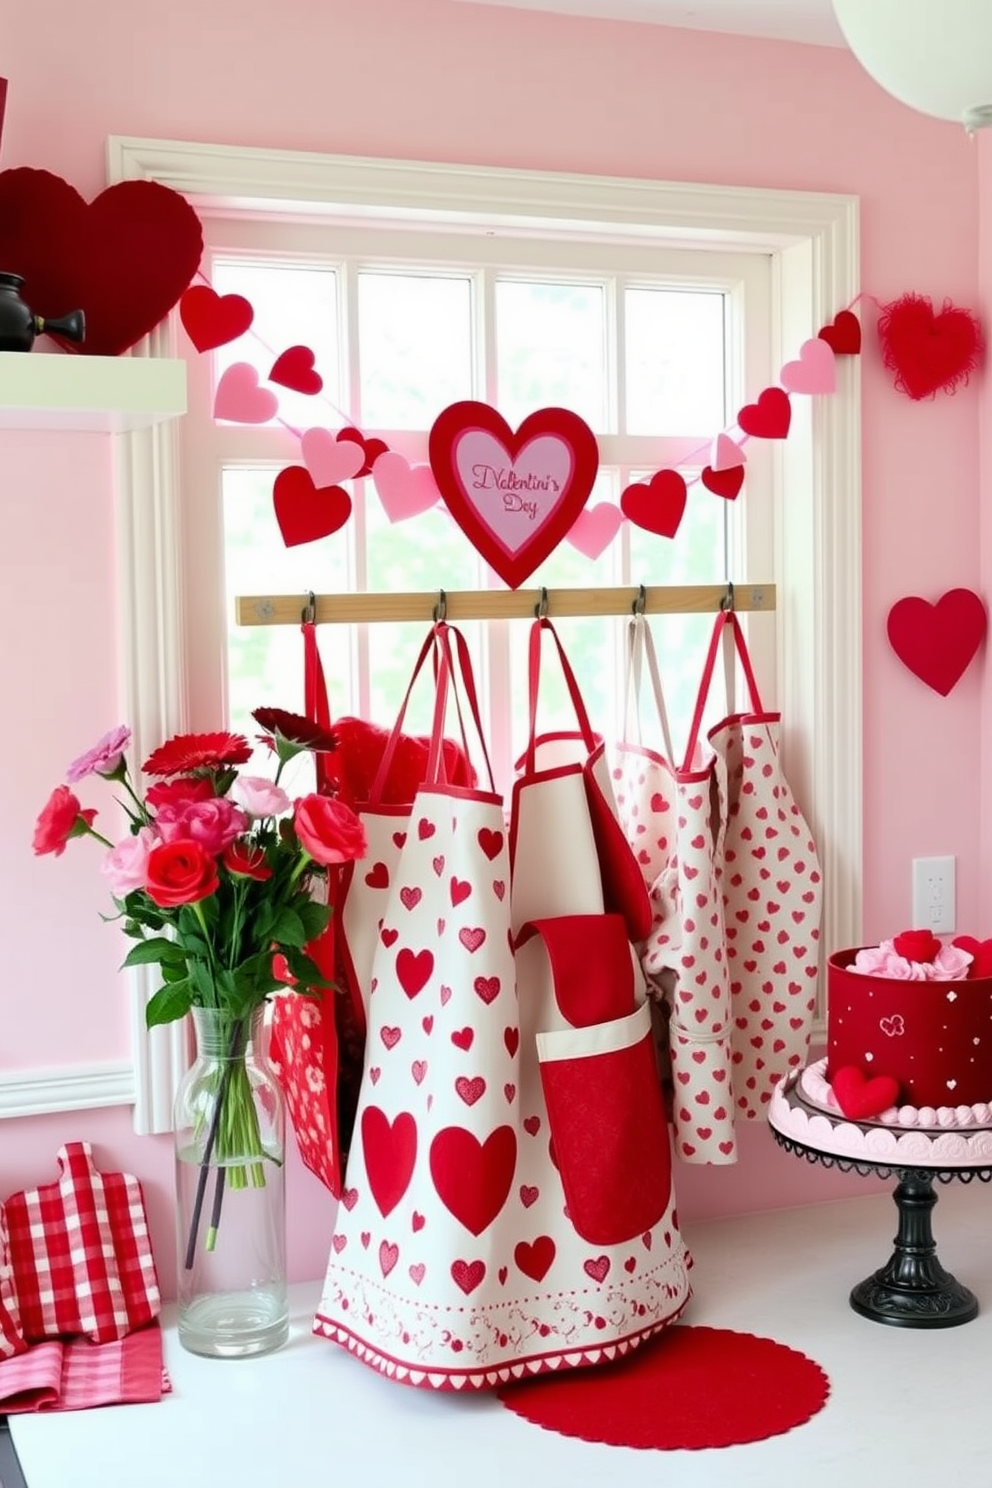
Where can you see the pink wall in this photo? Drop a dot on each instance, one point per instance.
(436, 80)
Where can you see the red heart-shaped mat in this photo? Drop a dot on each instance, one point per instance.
(937, 641)
(124, 258)
(925, 350)
(515, 495)
(860, 1098)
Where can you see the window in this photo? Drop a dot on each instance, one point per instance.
(174, 587)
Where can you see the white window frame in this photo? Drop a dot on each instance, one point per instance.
(813, 241)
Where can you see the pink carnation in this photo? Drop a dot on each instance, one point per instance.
(260, 796)
(103, 758)
(126, 866)
(211, 824)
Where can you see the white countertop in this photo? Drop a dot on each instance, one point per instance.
(905, 1404)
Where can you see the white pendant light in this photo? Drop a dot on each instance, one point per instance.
(934, 55)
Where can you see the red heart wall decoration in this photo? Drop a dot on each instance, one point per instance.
(294, 368)
(656, 505)
(769, 418)
(304, 511)
(843, 334)
(515, 495)
(211, 319)
(937, 641)
(725, 483)
(124, 258)
(928, 352)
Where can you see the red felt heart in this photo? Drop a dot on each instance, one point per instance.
(843, 334)
(927, 351)
(294, 368)
(211, 319)
(726, 483)
(937, 641)
(124, 258)
(657, 505)
(515, 495)
(769, 418)
(304, 511)
(373, 449)
(981, 950)
(860, 1098)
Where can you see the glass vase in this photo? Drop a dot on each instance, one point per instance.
(229, 1120)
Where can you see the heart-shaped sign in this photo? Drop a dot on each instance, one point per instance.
(937, 641)
(657, 505)
(124, 259)
(304, 511)
(861, 1098)
(925, 350)
(514, 495)
(211, 319)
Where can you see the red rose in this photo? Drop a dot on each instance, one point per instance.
(58, 821)
(180, 873)
(246, 859)
(329, 830)
(179, 792)
(916, 945)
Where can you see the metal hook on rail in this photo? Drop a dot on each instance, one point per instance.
(727, 602)
(640, 601)
(541, 608)
(308, 615)
(440, 611)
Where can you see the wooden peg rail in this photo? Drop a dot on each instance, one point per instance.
(497, 604)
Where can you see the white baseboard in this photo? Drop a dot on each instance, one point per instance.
(37, 1092)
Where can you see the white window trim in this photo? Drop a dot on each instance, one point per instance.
(812, 238)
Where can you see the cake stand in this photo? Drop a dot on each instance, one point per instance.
(912, 1290)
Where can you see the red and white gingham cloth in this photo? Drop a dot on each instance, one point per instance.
(12, 1340)
(79, 1375)
(81, 1254)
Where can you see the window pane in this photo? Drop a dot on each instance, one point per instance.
(293, 307)
(550, 350)
(674, 361)
(415, 347)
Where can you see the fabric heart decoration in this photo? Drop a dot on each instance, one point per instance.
(657, 506)
(861, 1098)
(726, 453)
(405, 490)
(927, 351)
(843, 334)
(515, 494)
(304, 511)
(980, 951)
(210, 319)
(595, 528)
(726, 483)
(814, 372)
(240, 400)
(294, 368)
(769, 418)
(327, 460)
(937, 641)
(124, 259)
(371, 449)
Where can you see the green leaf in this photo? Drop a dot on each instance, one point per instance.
(202, 980)
(146, 952)
(168, 1004)
(289, 929)
(315, 918)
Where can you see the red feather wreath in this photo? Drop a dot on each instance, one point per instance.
(929, 352)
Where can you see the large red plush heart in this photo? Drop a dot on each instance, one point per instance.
(515, 495)
(304, 511)
(925, 350)
(861, 1098)
(937, 641)
(769, 418)
(656, 505)
(124, 258)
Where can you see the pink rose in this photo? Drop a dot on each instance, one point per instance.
(951, 963)
(259, 796)
(104, 758)
(180, 873)
(213, 824)
(898, 969)
(61, 817)
(329, 830)
(178, 792)
(126, 866)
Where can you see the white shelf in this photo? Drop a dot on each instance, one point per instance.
(70, 391)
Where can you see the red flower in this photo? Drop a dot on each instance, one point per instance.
(295, 729)
(244, 858)
(329, 830)
(60, 817)
(179, 792)
(916, 945)
(180, 873)
(186, 752)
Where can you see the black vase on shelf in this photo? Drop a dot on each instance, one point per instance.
(19, 325)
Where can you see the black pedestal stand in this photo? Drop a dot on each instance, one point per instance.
(913, 1290)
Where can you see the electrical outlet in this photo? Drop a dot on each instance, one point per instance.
(933, 895)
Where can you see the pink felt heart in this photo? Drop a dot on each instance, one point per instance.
(405, 490)
(294, 368)
(305, 513)
(515, 495)
(371, 448)
(861, 1098)
(814, 372)
(211, 319)
(726, 453)
(240, 400)
(769, 418)
(595, 528)
(329, 460)
(937, 641)
(657, 506)
(725, 483)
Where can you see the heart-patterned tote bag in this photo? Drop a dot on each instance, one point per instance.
(671, 816)
(455, 1262)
